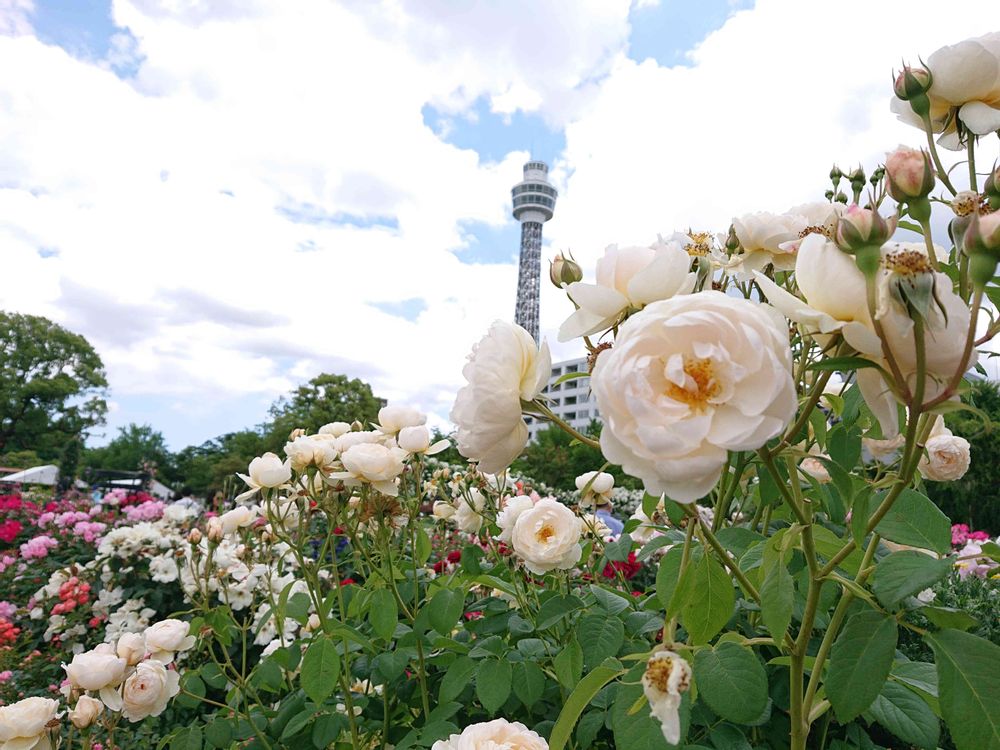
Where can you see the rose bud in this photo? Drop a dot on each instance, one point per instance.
(982, 244)
(910, 174)
(912, 85)
(563, 270)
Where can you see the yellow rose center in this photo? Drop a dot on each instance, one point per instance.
(908, 262)
(658, 673)
(705, 386)
(545, 533)
(699, 246)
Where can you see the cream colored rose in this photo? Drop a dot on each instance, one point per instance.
(765, 239)
(504, 368)
(512, 508)
(85, 712)
(132, 648)
(418, 440)
(93, 670)
(947, 457)
(688, 380)
(311, 450)
(468, 511)
(547, 537)
(167, 637)
(336, 429)
(815, 468)
(238, 518)
(359, 437)
(667, 676)
(374, 464)
(965, 85)
(267, 471)
(599, 492)
(23, 724)
(148, 690)
(498, 734)
(392, 419)
(627, 279)
(443, 510)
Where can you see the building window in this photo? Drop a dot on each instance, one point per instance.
(569, 400)
(572, 368)
(569, 416)
(584, 414)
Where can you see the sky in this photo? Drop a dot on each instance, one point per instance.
(229, 197)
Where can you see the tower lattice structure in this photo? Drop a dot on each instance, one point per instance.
(534, 203)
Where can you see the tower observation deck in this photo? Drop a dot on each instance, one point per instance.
(534, 203)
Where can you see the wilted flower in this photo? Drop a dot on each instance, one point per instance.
(667, 676)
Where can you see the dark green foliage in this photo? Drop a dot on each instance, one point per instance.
(556, 459)
(133, 447)
(52, 385)
(975, 498)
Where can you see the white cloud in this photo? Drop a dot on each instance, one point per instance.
(220, 224)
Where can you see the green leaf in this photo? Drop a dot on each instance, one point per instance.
(949, 617)
(777, 597)
(904, 573)
(737, 539)
(600, 636)
(732, 682)
(906, 715)
(612, 602)
(446, 607)
(969, 684)
(859, 663)
(326, 729)
(844, 446)
(383, 613)
(529, 682)
(320, 670)
(829, 544)
(298, 606)
(618, 550)
(493, 681)
(667, 574)
(297, 724)
(914, 520)
(220, 732)
(837, 364)
(710, 602)
(860, 513)
(582, 694)
(422, 551)
(990, 550)
(568, 664)
(456, 678)
(917, 674)
(555, 608)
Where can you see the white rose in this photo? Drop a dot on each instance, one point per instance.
(547, 537)
(966, 85)
(504, 368)
(443, 510)
(468, 512)
(765, 239)
(132, 648)
(373, 463)
(335, 428)
(391, 419)
(166, 638)
(349, 439)
(815, 468)
(627, 278)
(667, 675)
(85, 712)
(688, 380)
(238, 518)
(315, 450)
(162, 568)
(498, 734)
(508, 515)
(148, 690)
(265, 471)
(93, 670)
(23, 724)
(414, 439)
(601, 484)
(947, 457)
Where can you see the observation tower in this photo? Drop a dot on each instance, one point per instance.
(534, 204)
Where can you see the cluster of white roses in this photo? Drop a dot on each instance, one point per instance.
(133, 676)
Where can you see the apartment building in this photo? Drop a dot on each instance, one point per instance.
(571, 400)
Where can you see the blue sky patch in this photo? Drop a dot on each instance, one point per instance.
(309, 213)
(666, 32)
(490, 244)
(408, 309)
(492, 135)
(84, 29)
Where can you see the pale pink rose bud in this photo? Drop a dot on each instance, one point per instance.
(909, 173)
(861, 227)
(194, 537)
(563, 270)
(214, 530)
(912, 82)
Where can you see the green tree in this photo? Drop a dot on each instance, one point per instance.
(133, 446)
(69, 462)
(52, 385)
(556, 459)
(326, 398)
(975, 498)
(213, 465)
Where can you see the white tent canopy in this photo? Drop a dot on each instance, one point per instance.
(48, 474)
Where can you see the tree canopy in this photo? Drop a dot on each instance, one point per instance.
(52, 385)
